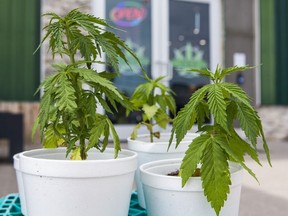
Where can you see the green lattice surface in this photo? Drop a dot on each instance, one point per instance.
(10, 206)
(135, 209)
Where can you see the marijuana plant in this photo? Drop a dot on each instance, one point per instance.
(154, 99)
(218, 142)
(68, 111)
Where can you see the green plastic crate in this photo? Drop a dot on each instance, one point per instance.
(10, 206)
(135, 209)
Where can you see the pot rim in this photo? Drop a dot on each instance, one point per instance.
(142, 143)
(163, 181)
(30, 163)
(46, 151)
(16, 161)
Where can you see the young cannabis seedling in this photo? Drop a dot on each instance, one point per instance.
(218, 142)
(154, 99)
(68, 112)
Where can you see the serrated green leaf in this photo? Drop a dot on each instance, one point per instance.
(43, 115)
(115, 138)
(170, 101)
(150, 111)
(86, 46)
(76, 154)
(124, 102)
(193, 157)
(134, 133)
(227, 71)
(96, 131)
(232, 113)
(202, 113)
(142, 93)
(237, 156)
(215, 175)
(51, 137)
(103, 103)
(107, 75)
(217, 105)
(46, 102)
(217, 73)
(92, 76)
(163, 88)
(187, 115)
(105, 140)
(160, 101)
(89, 105)
(241, 147)
(65, 94)
(265, 145)
(162, 119)
(203, 72)
(115, 51)
(248, 122)
(236, 92)
(158, 79)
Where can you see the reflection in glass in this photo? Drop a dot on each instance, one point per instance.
(133, 18)
(192, 51)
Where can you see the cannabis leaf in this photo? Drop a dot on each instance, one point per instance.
(187, 116)
(218, 143)
(215, 174)
(82, 32)
(68, 111)
(65, 93)
(150, 111)
(192, 157)
(155, 100)
(52, 139)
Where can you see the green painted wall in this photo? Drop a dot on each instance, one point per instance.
(268, 70)
(274, 51)
(19, 37)
(281, 23)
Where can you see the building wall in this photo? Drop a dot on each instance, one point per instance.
(19, 28)
(29, 110)
(281, 51)
(239, 32)
(240, 37)
(62, 8)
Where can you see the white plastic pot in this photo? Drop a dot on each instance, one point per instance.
(164, 194)
(20, 183)
(100, 185)
(158, 150)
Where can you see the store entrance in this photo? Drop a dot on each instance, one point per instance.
(168, 36)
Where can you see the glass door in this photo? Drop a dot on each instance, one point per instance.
(133, 22)
(189, 46)
(168, 36)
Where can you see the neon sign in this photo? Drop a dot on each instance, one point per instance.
(128, 14)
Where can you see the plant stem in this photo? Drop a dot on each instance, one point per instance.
(151, 102)
(70, 53)
(151, 131)
(74, 80)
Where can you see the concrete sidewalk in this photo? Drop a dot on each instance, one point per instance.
(270, 197)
